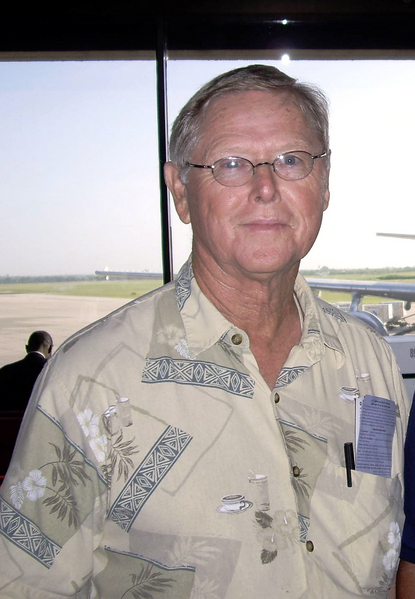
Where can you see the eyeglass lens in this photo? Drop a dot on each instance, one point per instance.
(234, 171)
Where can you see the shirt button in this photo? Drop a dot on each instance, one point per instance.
(296, 472)
(276, 398)
(309, 546)
(236, 339)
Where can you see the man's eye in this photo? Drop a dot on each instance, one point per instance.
(290, 160)
(231, 163)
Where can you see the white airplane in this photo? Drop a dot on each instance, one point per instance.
(358, 289)
(401, 235)
(402, 342)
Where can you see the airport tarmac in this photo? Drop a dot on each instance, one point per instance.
(61, 316)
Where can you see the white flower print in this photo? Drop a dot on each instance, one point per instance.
(394, 536)
(99, 447)
(284, 529)
(183, 348)
(390, 560)
(89, 422)
(34, 484)
(270, 540)
(170, 334)
(313, 348)
(17, 495)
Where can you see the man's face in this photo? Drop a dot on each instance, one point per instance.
(268, 224)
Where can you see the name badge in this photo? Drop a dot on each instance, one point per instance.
(375, 427)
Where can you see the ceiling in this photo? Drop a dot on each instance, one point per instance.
(214, 25)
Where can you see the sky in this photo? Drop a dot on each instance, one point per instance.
(79, 186)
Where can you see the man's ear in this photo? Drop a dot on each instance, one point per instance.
(326, 198)
(326, 190)
(177, 190)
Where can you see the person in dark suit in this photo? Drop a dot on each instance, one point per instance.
(405, 582)
(17, 379)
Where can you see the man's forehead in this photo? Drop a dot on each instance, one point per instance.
(241, 110)
(238, 113)
(241, 113)
(231, 99)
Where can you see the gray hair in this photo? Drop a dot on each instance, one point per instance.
(186, 128)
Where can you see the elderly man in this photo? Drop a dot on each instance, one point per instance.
(192, 444)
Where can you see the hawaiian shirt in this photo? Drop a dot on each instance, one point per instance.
(155, 461)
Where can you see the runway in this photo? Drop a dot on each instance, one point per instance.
(61, 316)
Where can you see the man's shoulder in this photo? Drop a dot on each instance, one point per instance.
(29, 359)
(349, 320)
(23, 372)
(34, 357)
(132, 323)
(10, 368)
(333, 312)
(353, 332)
(334, 321)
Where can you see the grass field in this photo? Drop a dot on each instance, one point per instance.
(116, 288)
(130, 288)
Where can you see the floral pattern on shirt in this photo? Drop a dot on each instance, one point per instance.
(276, 533)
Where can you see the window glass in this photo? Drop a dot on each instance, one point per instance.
(80, 187)
(79, 184)
(372, 132)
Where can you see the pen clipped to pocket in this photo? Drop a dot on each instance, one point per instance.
(349, 461)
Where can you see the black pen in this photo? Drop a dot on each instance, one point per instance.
(349, 459)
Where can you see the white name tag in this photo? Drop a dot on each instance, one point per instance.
(375, 427)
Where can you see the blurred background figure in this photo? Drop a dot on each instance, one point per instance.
(17, 379)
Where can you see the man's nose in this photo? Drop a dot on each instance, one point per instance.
(266, 181)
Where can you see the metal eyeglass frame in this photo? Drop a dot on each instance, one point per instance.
(254, 166)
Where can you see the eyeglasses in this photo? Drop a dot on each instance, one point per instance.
(235, 171)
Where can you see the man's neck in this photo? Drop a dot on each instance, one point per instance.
(36, 351)
(262, 306)
(251, 301)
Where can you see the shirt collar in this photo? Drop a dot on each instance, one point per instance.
(317, 329)
(205, 325)
(35, 352)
